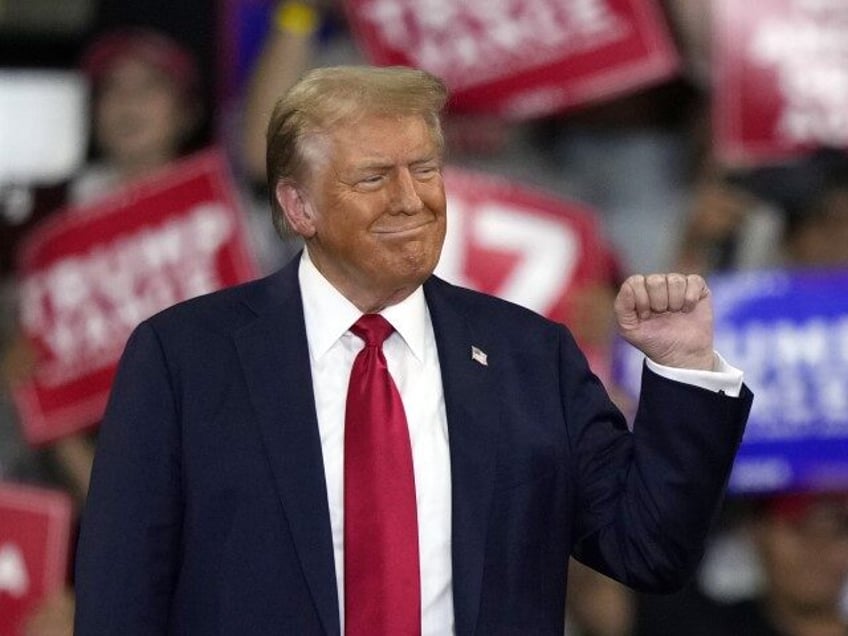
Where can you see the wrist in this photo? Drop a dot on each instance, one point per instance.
(296, 18)
(694, 362)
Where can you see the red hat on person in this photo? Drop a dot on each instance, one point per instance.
(152, 47)
(794, 506)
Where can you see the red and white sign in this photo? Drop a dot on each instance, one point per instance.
(521, 58)
(91, 274)
(523, 245)
(35, 527)
(781, 78)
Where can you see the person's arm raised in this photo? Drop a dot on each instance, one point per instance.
(286, 54)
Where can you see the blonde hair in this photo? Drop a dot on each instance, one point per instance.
(330, 96)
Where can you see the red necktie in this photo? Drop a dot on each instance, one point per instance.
(382, 582)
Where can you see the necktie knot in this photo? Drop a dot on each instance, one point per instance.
(373, 329)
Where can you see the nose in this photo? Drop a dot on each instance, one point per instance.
(405, 197)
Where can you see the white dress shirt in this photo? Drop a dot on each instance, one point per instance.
(413, 362)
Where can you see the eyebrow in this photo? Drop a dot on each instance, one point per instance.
(369, 165)
(382, 164)
(428, 159)
(375, 164)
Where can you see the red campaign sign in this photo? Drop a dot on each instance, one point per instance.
(781, 78)
(35, 528)
(521, 58)
(90, 274)
(524, 245)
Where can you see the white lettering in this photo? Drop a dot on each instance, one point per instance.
(84, 306)
(799, 373)
(548, 252)
(808, 49)
(453, 38)
(14, 578)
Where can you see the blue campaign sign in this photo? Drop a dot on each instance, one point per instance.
(788, 331)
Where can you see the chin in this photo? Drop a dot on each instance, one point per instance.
(403, 275)
(421, 267)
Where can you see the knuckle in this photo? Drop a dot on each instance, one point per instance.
(655, 280)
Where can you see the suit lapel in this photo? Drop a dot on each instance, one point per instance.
(472, 415)
(275, 359)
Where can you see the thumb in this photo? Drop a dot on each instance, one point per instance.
(625, 306)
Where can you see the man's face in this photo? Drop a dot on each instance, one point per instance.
(378, 209)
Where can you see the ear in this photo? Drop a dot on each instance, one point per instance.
(296, 209)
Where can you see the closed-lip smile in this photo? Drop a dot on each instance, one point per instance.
(402, 229)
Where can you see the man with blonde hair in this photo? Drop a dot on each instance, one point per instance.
(353, 445)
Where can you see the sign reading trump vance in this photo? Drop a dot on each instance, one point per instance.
(91, 274)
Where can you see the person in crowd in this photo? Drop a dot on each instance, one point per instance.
(817, 229)
(290, 47)
(728, 227)
(146, 107)
(742, 216)
(791, 214)
(294, 42)
(259, 470)
(800, 541)
(145, 111)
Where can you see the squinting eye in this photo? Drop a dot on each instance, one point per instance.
(425, 172)
(370, 183)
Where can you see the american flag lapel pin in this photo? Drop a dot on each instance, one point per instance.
(479, 356)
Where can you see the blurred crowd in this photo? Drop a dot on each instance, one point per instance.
(644, 161)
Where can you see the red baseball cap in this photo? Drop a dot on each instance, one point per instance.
(152, 47)
(795, 506)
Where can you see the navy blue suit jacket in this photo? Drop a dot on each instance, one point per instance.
(208, 512)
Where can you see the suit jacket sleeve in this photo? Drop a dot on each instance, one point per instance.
(646, 500)
(127, 557)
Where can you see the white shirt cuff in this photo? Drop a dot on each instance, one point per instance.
(723, 378)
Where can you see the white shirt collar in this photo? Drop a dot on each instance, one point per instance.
(328, 314)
